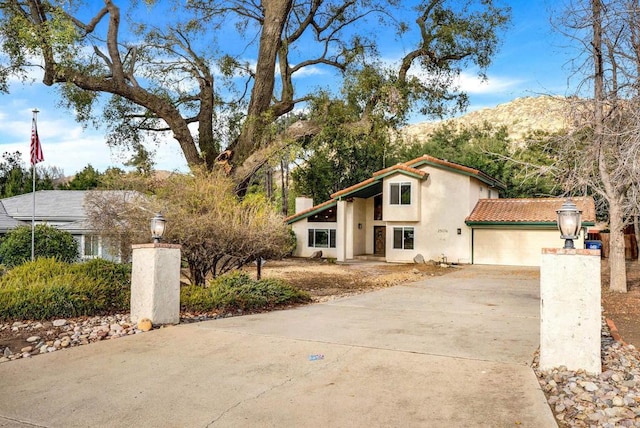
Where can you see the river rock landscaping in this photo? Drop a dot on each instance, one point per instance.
(610, 399)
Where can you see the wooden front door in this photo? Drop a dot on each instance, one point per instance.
(379, 240)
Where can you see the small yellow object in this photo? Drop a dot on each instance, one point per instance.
(145, 324)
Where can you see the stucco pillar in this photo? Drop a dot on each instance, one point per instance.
(570, 314)
(341, 231)
(155, 283)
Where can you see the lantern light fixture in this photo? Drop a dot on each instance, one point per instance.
(157, 224)
(569, 222)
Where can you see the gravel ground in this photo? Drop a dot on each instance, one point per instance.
(611, 399)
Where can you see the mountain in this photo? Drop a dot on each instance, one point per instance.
(521, 116)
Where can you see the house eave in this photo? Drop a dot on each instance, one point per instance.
(520, 224)
(309, 213)
(478, 174)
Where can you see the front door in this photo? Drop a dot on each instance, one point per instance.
(379, 240)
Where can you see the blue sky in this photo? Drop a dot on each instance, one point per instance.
(531, 62)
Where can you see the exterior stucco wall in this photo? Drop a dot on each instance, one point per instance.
(300, 228)
(409, 212)
(445, 200)
(359, 226)
(521, 247)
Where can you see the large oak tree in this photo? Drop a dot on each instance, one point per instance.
(217, 75)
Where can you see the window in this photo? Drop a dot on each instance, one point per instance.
(322, 238)
(91, 246)
(403, 238)
(377, 207)
(327, 216)
(400, 193)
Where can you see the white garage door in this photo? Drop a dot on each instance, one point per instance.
(513, 247)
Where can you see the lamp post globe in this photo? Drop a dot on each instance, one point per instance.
(569, 222)
(158, 224)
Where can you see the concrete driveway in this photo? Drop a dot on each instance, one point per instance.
(446, 351)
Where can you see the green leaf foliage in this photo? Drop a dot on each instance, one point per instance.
(490, 151)
(49, 241)
(237, 291)
(48, 288)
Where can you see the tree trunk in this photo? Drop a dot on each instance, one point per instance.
(275, 18)
(618, 273)
(617, 266)
(284, 180)
(636, 231)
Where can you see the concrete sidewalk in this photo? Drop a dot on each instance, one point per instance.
(447, 351)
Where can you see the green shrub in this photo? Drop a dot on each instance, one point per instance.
(15, 248)
(238, 291)
(47, 288)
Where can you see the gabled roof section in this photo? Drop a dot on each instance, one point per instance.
(402, 169)
(63, 208)
(311, 211)
(6, 222)
(51, 205)
(531, 211)
(451, 166)
(373, 184)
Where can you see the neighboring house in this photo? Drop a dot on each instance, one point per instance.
(434, 208)
(63, 209)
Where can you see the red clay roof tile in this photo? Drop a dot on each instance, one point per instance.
(527, 210)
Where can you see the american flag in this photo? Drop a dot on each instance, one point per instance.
(36, 148)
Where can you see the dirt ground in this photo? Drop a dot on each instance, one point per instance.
(326, 281)
(624, 308)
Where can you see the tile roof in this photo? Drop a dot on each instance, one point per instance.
(527, 210)
(401, 167)
(482, 176)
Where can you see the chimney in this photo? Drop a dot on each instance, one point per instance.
(303, 203)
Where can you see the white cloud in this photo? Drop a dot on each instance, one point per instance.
(472, 84)
(311, 70)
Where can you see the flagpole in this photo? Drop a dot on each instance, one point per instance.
(33, 174)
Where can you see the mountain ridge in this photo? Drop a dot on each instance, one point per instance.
(520, 116)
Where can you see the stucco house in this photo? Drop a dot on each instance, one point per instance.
(439, 209)
(63, 209)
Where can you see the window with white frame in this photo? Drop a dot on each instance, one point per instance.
(400, 193)
(322, 238)
(403, 238)
(91, 246)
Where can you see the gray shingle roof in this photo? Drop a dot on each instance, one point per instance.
(6, 222)
(64, 209)
(51, 205)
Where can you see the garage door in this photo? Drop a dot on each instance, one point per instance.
(513, 247)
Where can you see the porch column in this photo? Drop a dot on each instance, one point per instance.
(341, 231)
